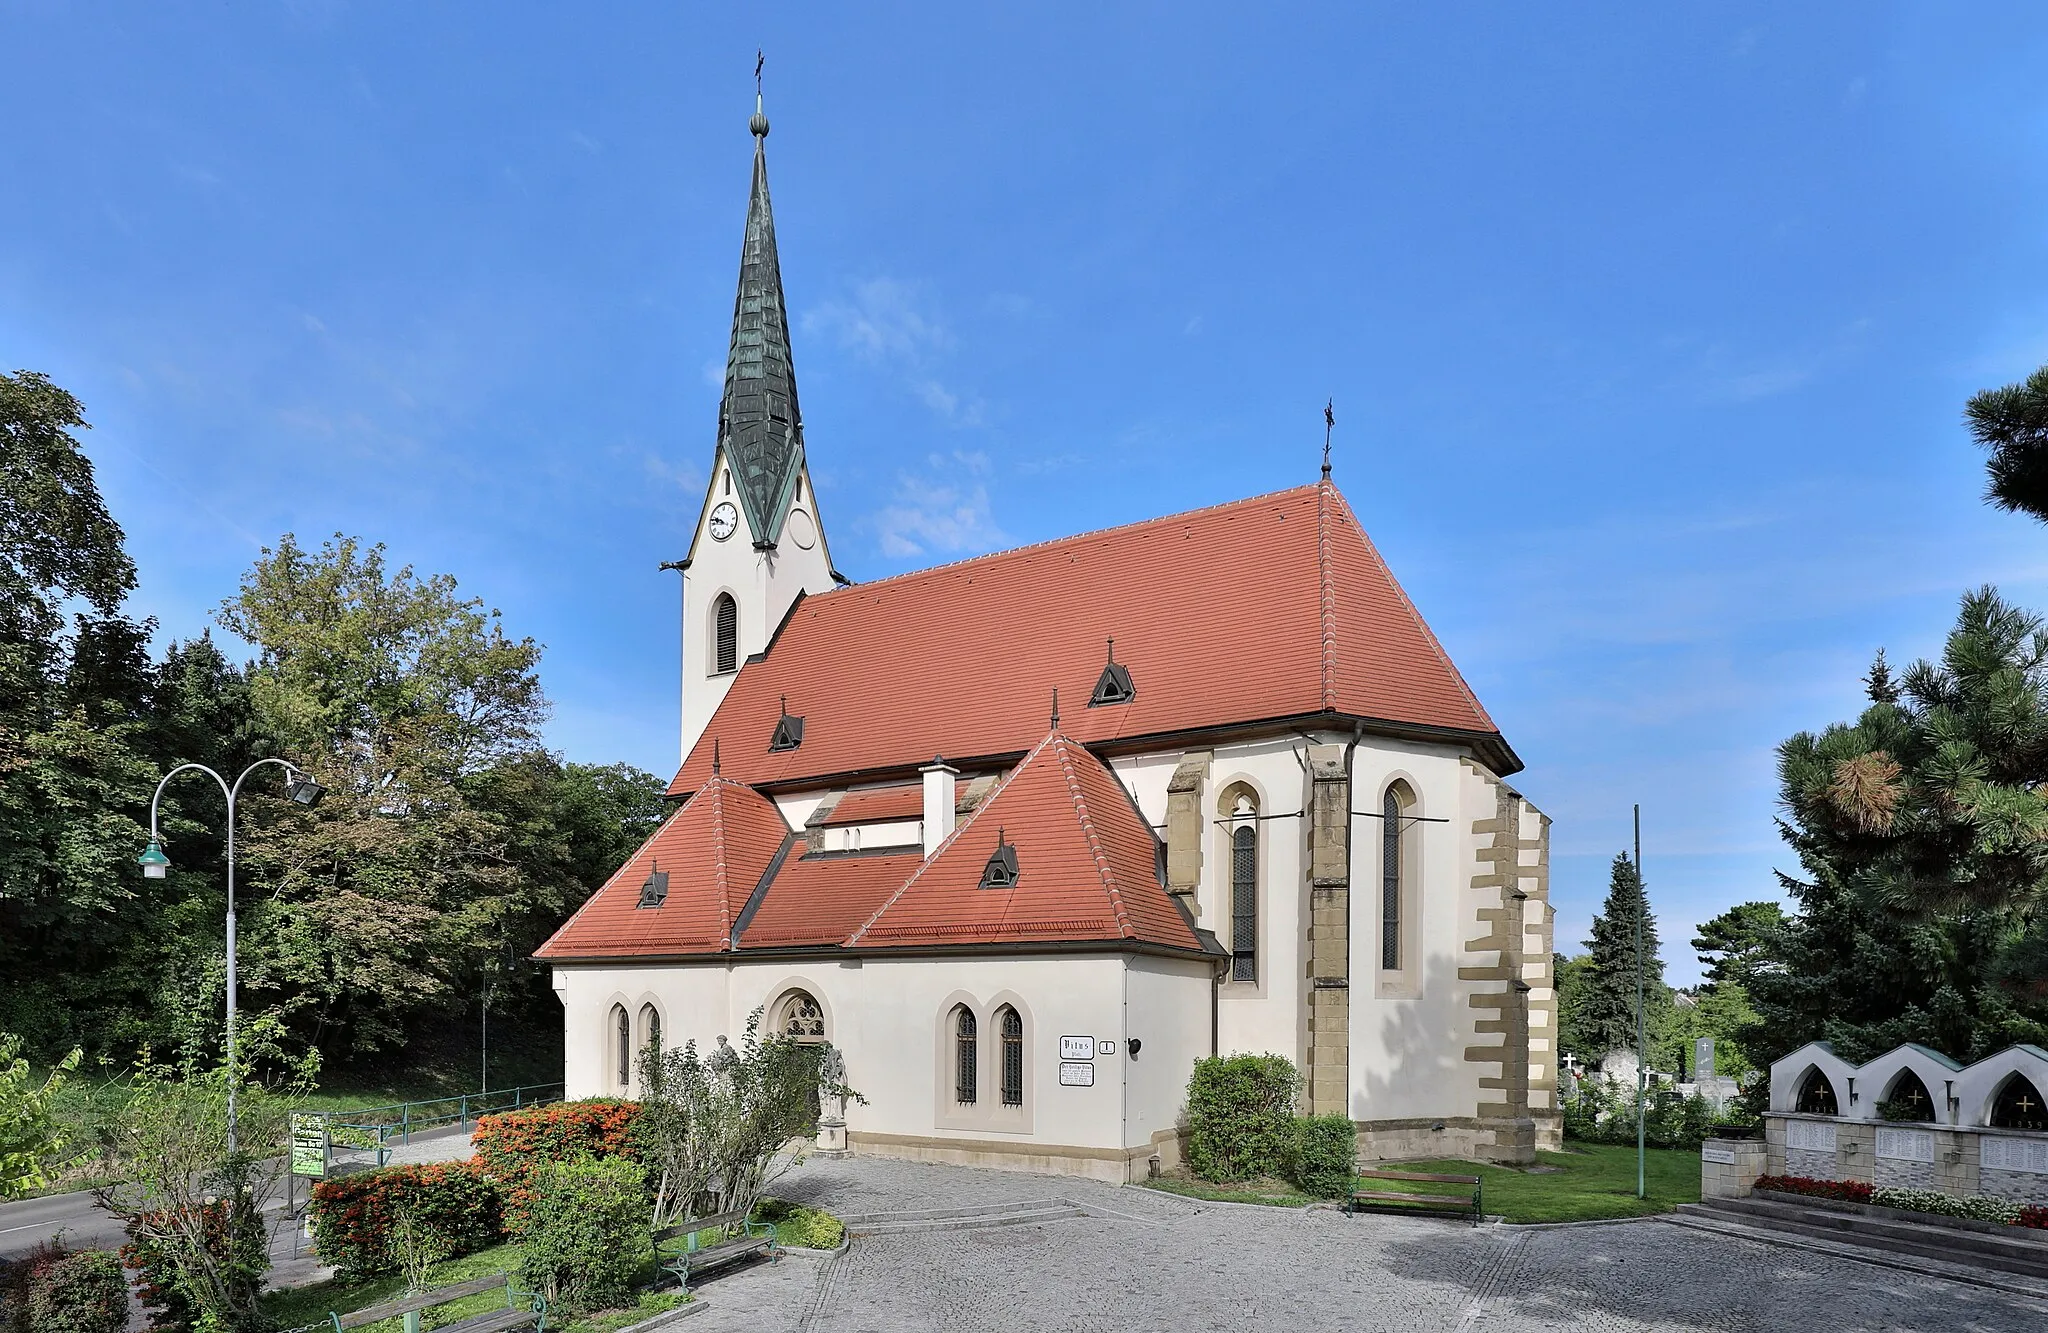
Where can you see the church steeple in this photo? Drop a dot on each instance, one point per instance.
(759, 425)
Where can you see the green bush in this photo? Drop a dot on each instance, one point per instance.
(1241, 1116)
(1324, 1162)
(369, 1222)
(805, 1228)
(81, 1293)
(584, 1232)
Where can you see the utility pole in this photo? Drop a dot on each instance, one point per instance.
(485, 1083)
(1642, 1051)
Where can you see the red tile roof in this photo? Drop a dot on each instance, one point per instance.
(1273, 607)
(1088, 867)
(1088, 872)
(822, 899)
(877, 805)
(715, 850)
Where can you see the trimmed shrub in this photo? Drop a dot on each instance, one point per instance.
(1324, 1162)
(18, 1275)
(1976, 1208)
(81, 1293)
(1850, 1191)
(805, 1228)
(373, 1221)
(1241, 1116)
(584, 1232)
(513, 1145)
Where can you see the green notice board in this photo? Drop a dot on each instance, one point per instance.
(309, 1144)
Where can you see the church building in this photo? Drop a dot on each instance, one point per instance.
(1026, 835)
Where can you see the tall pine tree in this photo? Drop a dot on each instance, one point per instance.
(1605, 1017)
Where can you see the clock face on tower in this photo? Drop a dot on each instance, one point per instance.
(725, 520)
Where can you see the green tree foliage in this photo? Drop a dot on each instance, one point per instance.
(585, 1232)
(31, 1134)
(1736, 943)
(1922, 831)
(1604, 1017)
(2012, 422)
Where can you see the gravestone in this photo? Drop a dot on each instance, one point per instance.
(1703, 1059)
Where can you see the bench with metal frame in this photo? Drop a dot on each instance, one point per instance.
(1429, 1205)
(694, 1258)
(523, 1309)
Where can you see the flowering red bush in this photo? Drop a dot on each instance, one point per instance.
(2033, 1215)
(454, 1207)
(510, 1146)
(1851, 1191)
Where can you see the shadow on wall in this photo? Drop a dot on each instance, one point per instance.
(1424, 1039)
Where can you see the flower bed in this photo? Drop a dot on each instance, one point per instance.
(1971, 1208)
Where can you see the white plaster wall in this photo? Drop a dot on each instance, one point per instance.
(763, 583)
(1271, 1015)
(1167, 1008)
(886, 1016)
(1409, 1030)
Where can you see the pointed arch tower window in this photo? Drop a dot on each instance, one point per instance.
(1244, 889)
(725, 635)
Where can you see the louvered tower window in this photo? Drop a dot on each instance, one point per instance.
(1244, 902)
(966, 1072)
(725, 633)
(1013, 1057)
(1390, 881)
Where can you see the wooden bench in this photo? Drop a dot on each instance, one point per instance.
(753, 1238)
(522, 1309)
(1402, 1201)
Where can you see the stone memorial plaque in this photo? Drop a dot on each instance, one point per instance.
(1725, 1156)
(1077, 1048)
(1076, 1074)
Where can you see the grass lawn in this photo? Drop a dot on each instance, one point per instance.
(1593, 1181)
(307, 1307)
(1276, 1193)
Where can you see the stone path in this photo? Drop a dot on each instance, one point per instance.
(1149, 1261)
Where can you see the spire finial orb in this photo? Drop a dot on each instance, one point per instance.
(759, 124)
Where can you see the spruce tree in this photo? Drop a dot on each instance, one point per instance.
(1606, 1017)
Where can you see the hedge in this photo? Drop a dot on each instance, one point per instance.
(1324, 1162)
(455, 1209)
(513, 1145)
(584, 1232)
(80, 1293)
(1241, 1116)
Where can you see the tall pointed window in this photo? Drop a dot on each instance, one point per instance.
(1013, 1055)
(725, 635)
(966, 1068)
(1390, 881)
(650, 1026)
(1244, 891)
(622, 1042)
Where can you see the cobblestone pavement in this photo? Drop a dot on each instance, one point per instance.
(1149, 1261)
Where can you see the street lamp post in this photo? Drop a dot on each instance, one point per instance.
(300, 789)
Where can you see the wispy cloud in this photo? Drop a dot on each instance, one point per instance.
(889, 323)
(945, 510)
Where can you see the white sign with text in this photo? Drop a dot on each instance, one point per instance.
(1076, 1074)
(1077, 1048)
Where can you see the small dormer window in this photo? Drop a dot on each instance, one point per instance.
(1113, 686)
(789, 730)
(655, 891)
(1001, 870)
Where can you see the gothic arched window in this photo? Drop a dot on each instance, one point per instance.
(966, 1067)
(2018, 1105)
(800, 1016)
(622, 1040)
(1908, 1100)
(1816, 1095)
(650, 1026)
(1393, 875)
(725, 634)
(1244, 890)
(1012, 1029)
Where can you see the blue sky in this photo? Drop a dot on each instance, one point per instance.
(1648, 326)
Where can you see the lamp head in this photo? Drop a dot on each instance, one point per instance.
(153, 861)
(302, 790)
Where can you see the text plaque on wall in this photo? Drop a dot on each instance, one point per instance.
(1076, 1074)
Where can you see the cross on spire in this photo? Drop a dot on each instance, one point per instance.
(1329, 425)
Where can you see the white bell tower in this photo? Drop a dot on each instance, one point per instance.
(759, 542)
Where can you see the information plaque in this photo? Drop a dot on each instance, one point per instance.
(1077, 1048)
(309, 1145)
(1076, 1074)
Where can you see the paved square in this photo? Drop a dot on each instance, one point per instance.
(1148, 1261)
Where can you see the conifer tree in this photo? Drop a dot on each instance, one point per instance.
(1606, 1017)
